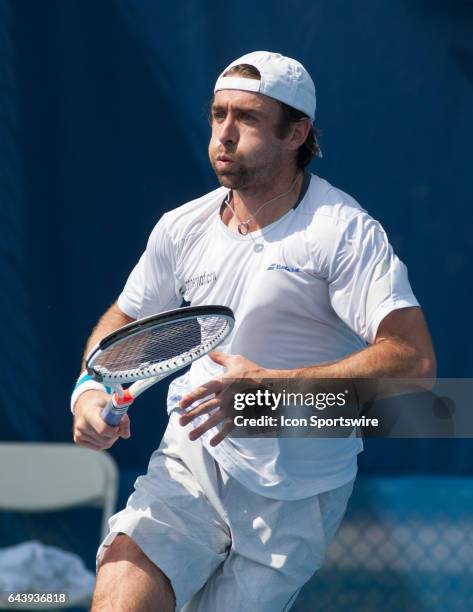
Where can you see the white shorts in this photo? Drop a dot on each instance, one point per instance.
(222, 546)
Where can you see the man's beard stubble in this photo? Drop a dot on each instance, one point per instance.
(241, 177)
(236, 178)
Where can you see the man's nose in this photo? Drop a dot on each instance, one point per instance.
(228, 130)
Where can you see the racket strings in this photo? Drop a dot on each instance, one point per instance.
(161, 348)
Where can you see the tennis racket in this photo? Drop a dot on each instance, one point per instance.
(150, 349)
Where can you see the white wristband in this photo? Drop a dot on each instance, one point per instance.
(85, 383)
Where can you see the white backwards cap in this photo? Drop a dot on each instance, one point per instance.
(282, 78)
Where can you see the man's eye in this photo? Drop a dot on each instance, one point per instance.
(246, 117)
(218, 116)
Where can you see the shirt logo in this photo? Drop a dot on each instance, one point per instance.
(276, 266)
(206, 278)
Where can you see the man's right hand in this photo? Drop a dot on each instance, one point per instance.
(89, 429)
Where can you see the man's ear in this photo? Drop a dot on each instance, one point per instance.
(298, 134)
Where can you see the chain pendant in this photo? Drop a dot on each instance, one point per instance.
(244, 227)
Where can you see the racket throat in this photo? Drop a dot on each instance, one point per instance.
(122, 400)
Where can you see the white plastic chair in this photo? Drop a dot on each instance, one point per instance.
(41, 477)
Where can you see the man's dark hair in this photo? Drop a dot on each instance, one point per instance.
(289, 115)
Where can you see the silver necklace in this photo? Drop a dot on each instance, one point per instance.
(244, 226)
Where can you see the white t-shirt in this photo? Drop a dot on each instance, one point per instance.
(309, 288)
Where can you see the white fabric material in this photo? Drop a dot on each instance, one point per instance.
(282, 78)
(233, 82)
(35, 568)
(222, 546)
(87, 385)
(315, 290)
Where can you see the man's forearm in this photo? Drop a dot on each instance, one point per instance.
(387, 359)
(402, 349)
(370, 371)
(111, 320)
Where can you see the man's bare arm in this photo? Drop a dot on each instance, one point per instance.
(89, 429)
(111, 320)
(402, 349)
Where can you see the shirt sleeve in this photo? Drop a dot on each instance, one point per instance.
(366, 279)
(151, 286)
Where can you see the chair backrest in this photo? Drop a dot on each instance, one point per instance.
(37, 477)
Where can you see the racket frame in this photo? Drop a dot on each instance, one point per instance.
(122, 399)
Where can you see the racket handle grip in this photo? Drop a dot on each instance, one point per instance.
(113, 412)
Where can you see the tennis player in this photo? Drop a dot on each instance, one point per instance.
(225, 523)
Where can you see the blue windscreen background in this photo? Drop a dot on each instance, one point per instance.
(103, 127)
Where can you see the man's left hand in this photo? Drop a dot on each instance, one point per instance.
(238, 368)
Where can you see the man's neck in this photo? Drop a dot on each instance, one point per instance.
(248, 200)
(262, 206)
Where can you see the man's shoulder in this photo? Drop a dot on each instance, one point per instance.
(193, 216)
(325, 200)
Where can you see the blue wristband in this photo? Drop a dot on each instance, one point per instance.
(85, 377)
